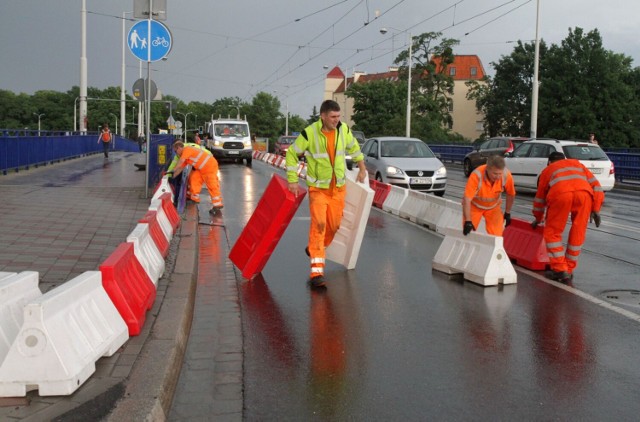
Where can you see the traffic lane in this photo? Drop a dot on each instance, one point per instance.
(393, 339)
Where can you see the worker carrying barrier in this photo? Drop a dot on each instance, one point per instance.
(525, 245)
(63, 333)
(345, 247)
(266, 226)
(128, 285)
(16, 290)
(147, 252)
(156, 232)
(480, 257)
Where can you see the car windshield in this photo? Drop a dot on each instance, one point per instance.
(585, 152)
(231, 129)
(287, 141)
(408, 149)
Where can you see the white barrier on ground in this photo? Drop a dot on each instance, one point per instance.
(414, 204)
(395, 198)
(345, 247)
(480, 257)
(16, 290)
(164, 187)
(147, 252)
(451, 217)
(432, 212)
(163, 220)
(64, 332)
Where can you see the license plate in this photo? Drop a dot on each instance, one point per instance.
(234, 152)
(596, 171)
(420, 180)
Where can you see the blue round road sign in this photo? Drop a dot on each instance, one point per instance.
(149, 40)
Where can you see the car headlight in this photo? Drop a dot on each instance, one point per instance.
(391, 171)
(442, 171)
(247, 143)
(217, 143)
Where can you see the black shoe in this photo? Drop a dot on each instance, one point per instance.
(215, 210)
(561, 276)
(317, 282)
(306, 250)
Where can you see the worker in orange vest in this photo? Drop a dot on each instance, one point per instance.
(204, 162)
(482, 197)
(566, 188)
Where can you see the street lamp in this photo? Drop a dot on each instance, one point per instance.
(534, 94)
(409, 64)
(39, 116)
(116, 117)
(195, 122)
(184, 115)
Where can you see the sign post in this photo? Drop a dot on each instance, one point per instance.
(151, 41)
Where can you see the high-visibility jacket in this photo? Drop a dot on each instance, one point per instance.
(199, 158)
(313, 144)
(484, 194)
(563, 176)
(175, 160)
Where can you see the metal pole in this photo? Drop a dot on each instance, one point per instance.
(286, 124)
(534, 94)
(148, 99)
(122, 90)
(408, 128)
(83, 69)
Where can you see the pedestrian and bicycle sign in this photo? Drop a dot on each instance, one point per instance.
(149, 40)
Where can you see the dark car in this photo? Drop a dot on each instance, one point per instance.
(282, 144)
(359, 135)
(492, 146)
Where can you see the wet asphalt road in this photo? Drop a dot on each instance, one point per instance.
(394, 340)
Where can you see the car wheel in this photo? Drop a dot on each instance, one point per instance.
(439, 193)
(379, 178)
(248, 160)
(467, 168)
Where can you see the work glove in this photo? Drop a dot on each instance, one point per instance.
(468, 227)
(595, 217)
(507, 219)
(534, 224)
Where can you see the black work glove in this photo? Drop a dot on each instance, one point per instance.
(468, 227)
(595, 217)
(507, 219)
(534, 224)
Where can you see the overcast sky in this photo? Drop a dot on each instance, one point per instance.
(228, 48)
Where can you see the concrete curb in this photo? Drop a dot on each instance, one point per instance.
(150, 387)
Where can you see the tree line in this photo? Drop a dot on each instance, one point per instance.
(583, 88)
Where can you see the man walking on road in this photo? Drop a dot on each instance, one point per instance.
(482, 197)
(566, 187)
(206, 165)
(325, 145)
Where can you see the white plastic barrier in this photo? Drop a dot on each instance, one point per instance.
(65, 331)
(266, 157)
(16, 290)
(395, 198)
(431, 213)
(345, 247)
(163, 220)
(413, 205)
(480, 257)
(145, 249)
(451, 217)
(163, 188)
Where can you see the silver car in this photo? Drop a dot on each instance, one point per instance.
(405, 162)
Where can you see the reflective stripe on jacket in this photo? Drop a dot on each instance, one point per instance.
(198, 158)
(485, 195)
(313, 145)
(174, 161)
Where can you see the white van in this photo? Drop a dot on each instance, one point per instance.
(230, 139)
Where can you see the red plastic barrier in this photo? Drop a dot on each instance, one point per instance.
(170, 210)
(266, 226)
(128, 286)
(381, 192)
(525, 245)
(162, 243)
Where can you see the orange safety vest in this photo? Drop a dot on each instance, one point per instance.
(199, 159)
(485, 195)
(106, 135)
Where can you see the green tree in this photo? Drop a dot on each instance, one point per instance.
(314, 117)
(378, 107)
(264, 115)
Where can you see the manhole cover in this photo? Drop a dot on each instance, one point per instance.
(623, 297)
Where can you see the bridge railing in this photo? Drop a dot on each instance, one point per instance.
(626, 161)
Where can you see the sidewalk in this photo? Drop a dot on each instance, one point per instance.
(64, 219)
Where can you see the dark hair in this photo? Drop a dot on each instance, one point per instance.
(329, 105)
(556, 156)
(496, 161)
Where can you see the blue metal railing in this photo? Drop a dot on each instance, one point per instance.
(626, 161)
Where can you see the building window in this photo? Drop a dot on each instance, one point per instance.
(452, 71)
(474, 72)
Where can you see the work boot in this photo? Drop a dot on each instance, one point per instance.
(215, 210)
(317, 282)
(561, 276)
